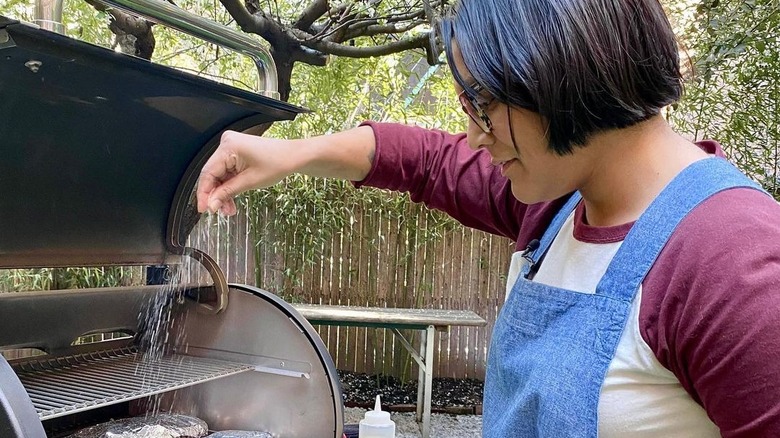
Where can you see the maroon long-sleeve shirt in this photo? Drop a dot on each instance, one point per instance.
(710, 306)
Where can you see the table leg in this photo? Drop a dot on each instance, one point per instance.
(421, 367)
(426, 417)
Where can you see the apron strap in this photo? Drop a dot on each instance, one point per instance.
(552, 231)
(652, 230)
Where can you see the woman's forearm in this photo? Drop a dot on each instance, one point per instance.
(345, 155)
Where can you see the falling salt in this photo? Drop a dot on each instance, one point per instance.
(156, 323)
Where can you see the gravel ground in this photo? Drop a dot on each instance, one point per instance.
(442, 425)
(448, 395)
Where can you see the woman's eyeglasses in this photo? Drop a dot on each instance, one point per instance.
(475, 108)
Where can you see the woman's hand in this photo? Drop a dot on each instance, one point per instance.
(240, 163)
(243, 162)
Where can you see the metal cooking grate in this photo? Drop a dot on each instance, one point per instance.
(71, 384)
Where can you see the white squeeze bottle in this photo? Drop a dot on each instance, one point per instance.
(376, 423)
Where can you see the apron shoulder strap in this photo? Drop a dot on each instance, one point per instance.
(535, 254)
(652, 230)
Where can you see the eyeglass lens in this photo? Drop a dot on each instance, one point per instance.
(477, 115)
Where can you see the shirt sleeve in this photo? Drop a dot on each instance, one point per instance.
(443, 172)
(711, 310)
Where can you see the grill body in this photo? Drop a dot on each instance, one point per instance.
(101, 152)
(257, 365)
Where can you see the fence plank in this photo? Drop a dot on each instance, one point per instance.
(378, 261)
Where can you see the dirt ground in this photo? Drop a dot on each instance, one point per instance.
(448, 395)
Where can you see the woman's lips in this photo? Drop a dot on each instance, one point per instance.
(505, 165)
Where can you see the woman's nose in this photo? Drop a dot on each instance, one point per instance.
(477, 138)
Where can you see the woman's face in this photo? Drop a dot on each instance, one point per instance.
(534, 171)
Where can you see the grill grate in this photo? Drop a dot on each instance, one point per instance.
(66, 385)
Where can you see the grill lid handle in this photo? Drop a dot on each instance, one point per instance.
(220, 282)
(182, 220)
(174, 17)
(48, 15)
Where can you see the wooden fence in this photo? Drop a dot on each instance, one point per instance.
(374, 261)
(412, 260)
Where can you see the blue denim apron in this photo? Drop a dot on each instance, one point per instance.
(551, 347)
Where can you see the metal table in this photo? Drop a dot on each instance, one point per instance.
(427, 321)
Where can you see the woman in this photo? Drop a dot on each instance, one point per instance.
(642, 300)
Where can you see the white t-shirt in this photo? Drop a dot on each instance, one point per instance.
(639, 395)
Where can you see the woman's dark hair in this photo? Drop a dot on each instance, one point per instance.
(584, 65)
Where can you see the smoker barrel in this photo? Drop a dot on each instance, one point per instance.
(101, 152)
(256, 366)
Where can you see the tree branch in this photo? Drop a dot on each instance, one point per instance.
(417, 42)
(258, 23)
(315, 10)
(352, 28)
(403, 17)
(378, 29)
(123, 24)
(337, 34)
(310, 56)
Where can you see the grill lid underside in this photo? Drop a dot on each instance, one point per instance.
(101, 150)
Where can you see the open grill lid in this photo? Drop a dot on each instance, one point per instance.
(100, 151)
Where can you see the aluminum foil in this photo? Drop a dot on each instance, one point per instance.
(155, 426)
(240, 434)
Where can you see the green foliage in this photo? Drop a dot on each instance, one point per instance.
(173, 48)
(342, 95)
(80, 20)
(734, 95)
(191, 54)
(15, 280)
(18, 9)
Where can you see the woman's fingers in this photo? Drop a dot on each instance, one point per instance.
(242, 162)
(217, 170)
(221, 197)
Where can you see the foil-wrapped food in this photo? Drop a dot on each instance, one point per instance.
(240, 434)
(153, 426)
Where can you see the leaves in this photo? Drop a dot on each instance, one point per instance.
(15, 280)
(343, 94)
(734, 95)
